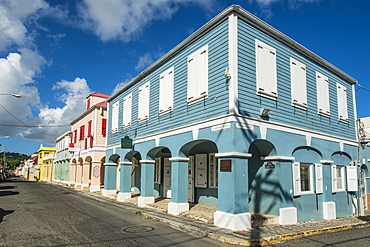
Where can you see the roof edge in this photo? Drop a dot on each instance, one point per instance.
(251, 19)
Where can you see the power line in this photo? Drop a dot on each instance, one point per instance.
(34, 126)
(25, 125)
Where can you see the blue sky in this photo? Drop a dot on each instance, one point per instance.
(55, 53)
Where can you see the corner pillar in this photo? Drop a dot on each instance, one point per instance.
(233, 204)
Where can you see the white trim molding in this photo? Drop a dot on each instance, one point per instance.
(326, 161)
(125, 163)
(147, 161)
(179, 159)
(233, 155)
(277, 158)
(110, 164)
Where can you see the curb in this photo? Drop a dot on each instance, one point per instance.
(289, 236)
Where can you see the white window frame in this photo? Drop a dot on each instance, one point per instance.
(297, 178)
(144, 94)
(342, 103)
(127, 110)
(352, 178)
(157, 170)
(166, 81)
(340, 180)
(318, 179)
(115, 111)
(212, 171)
(334, 179)
(322, 87)
(298, 84)
(198, 75)
(266, 75)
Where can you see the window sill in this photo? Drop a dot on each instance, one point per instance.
(267, 95)
(193, 100)
(300, 106)
(114, 131)
(140, 120)
(324, 114)
(307, 193)
(126, 126)
(162, 112)
(343, 120)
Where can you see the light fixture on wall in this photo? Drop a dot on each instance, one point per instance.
(264, 112)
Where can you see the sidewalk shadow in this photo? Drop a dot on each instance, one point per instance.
(4, 212)
(8, 193)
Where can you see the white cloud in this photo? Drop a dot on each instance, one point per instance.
(125, 19)
(73, 97)
(17, 71)
(13, 13)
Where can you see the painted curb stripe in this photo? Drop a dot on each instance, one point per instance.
(288, 236)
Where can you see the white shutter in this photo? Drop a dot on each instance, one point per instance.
(127, 108)
(191, 78)
(342, 102)
(266, 69)
(202, 73)
(334, 178)
(115, 109)
(319, 181)
(144, 102)
(322, 83)
(298, 83)
(198, 75)
(296, 178)
(352, 178)
(166, 91)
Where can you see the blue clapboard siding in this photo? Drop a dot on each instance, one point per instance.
(215, 105)
(281, 110)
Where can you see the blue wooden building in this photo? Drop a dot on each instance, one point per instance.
(242, 117)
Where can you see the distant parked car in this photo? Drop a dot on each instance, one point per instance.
(7, 174)
(2, 177)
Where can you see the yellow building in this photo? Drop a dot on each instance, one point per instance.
(46, 156)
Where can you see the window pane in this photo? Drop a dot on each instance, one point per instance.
(305, 178)
(339, 178)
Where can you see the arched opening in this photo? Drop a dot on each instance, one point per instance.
(135, 157)
(263, 179)
(202, 171)
(162, 171)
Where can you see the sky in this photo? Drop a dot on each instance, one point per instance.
(54, 53)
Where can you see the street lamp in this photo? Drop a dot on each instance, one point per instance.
(12, 94)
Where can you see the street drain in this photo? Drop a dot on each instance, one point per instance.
(138, 229)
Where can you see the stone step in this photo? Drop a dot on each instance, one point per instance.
(264, 219)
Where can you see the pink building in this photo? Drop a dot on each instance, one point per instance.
(87, 144)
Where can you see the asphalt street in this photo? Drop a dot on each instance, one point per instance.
(41, 214)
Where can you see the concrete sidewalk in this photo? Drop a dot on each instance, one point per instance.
(199, 221)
